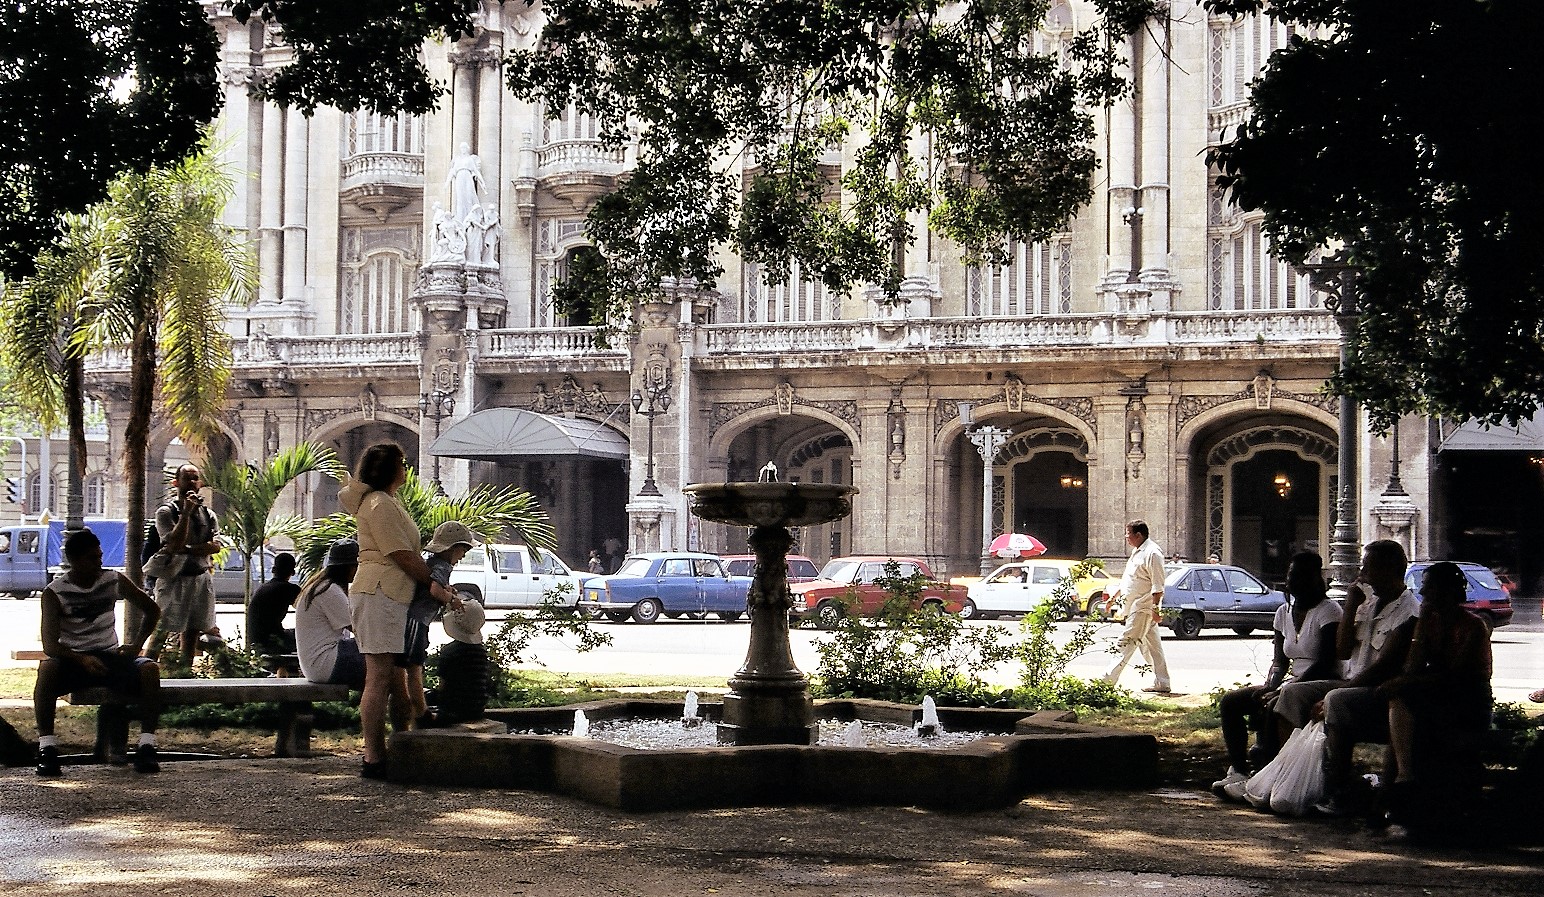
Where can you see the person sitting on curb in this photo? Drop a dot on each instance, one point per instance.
(1375, 647)
(465, 672)
(80, 636)
(1444, 689)
(1304, 648)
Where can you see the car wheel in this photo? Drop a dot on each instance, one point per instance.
(828, 614)
(1243, 630)
(647, 610)
(617, 616)
(1188, 625)
(672, 615)
(933, 607)
(1097, 608)
(21, 596)
(696, 615)
(729, 616)
(968, 611)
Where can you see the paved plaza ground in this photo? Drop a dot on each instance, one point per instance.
(250, 828)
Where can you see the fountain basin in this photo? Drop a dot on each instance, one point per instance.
(1030, 751)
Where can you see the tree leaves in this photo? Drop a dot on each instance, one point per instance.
(1397, 135)
(745, 112)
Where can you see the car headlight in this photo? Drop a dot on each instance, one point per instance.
(799, 602)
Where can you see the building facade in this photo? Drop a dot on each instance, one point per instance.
(1154, 361)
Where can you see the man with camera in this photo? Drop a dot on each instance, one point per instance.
(186, 594)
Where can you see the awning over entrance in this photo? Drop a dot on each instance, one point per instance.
(504, 434)
(1473, 436)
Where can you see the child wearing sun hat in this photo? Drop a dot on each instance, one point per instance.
(466, 674)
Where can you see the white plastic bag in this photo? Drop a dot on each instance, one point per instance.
(1263, 784)
(1300, 783)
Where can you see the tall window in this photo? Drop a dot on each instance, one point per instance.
(95, 495)
(36, 500)
(1240, 48)
(1244, 276)
(1037, 280)
(570, 125)
(370, 132)
(796, 299)
(376, 270)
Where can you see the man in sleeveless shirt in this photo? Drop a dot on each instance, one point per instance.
(80, 637)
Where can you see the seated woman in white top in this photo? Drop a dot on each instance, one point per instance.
(324, 633)
(1305, 628)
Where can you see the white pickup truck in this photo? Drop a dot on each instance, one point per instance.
(515, 576)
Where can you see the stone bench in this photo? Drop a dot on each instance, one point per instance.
(293, 695)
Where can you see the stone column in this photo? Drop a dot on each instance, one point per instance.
(490, 84)
(463, 101)
(1122, 194)
(1154, 192)
(296, 148)
(270, 245)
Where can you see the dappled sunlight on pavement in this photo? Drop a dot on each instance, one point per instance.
(252, 828)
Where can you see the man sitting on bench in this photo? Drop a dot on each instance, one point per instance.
(80, 637)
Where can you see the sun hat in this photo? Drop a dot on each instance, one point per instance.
(450, 534)
(466, 624)
(343, 553)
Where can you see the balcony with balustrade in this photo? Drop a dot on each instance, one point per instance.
(380, 182)
(578, 171)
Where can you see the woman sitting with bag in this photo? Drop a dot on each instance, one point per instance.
(1304, 648)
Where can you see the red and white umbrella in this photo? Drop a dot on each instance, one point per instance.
(1016, 545)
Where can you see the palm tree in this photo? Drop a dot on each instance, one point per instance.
(488, 511)
(164, 271)
(251, 492)
(39, 321)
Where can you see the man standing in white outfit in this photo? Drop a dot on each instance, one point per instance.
(1141, 587)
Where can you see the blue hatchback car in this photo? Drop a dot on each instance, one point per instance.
(667, 583)
(1218, 596)
(1487, 599)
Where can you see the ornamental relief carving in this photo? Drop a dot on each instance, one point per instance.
(1190, 407)
(571, 398)
(317, 418)
(1014, 396)
(723, 412)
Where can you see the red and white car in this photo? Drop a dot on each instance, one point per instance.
(846, 586)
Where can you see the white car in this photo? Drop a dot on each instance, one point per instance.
(515, 576)
(1019, 587)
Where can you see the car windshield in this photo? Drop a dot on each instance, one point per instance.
(839, 570)
(1175, 574)
(1485, 578)
(633, 567)
(802, 568)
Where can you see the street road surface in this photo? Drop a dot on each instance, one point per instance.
(713, 650)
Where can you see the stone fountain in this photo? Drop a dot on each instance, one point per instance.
(769, 699)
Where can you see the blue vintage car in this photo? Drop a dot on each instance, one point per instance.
(668, 583)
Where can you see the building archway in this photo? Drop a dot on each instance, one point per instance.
(1266, 494)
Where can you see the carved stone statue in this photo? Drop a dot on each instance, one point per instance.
(449, 237)
(464, 183)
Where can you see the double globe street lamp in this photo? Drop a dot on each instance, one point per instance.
(651, 400)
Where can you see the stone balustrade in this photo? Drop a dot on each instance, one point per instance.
(550, 342)
(354, 349)
(1222, 122)
(379, 169)
(564, 157)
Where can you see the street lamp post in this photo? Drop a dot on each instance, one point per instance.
(651, 400)
(1337, 276)
(437, 405)
(989, 440)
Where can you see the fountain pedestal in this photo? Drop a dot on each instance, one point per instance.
(769, 699)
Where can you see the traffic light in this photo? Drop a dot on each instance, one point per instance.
(13, 489)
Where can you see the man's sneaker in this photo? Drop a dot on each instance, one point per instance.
(1234, 791)
(146, 759)
(1233, 776)
(48, 762)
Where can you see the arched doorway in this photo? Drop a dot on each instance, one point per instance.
(805, 450)
(1268, 494)
(1048, 470)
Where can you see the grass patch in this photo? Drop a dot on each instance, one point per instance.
(16, 682)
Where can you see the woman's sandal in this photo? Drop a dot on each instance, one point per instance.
(373, 770)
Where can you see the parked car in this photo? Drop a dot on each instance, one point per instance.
(847, 586)
(516, 576)
(1019, 587)
(1487, 599)
(232, 574)
(667, 583)
(800, 568)
(1218, 596)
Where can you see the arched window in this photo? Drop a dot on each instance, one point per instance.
(576, 296)
(36, 501)
(96, 495)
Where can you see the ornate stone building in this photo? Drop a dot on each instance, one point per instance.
(1154, 361)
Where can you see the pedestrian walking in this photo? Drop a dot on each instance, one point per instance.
(1141, 588)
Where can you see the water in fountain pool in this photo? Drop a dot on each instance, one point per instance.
(665, 734)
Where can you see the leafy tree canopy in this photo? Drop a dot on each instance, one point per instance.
(961, 112)
(1398, 134)
(90, 89)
